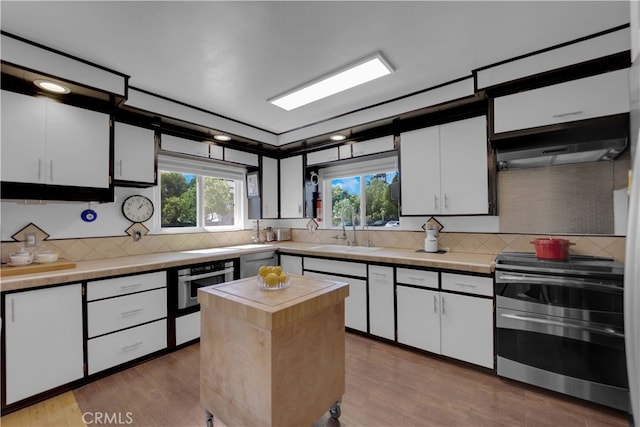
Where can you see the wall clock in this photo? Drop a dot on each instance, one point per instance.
(137, 208)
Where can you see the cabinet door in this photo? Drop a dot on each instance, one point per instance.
(291, 182)
(595, 96)
(419, 318)
(187, 328)
(420, 171)
(77, 146)
(381, 302)
(464, 172)
(467, 329)
(269, 187)
(23, 138)
(44, 343)
(355, 305)
(291, 263)
(135, 154)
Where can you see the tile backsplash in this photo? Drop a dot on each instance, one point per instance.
(483, 243)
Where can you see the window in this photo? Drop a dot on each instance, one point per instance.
(198, 194)
(364, 187)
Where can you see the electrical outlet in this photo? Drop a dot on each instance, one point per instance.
(30, 240)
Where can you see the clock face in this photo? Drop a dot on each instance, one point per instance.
(137, 208)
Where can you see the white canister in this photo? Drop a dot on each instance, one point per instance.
(431, 241)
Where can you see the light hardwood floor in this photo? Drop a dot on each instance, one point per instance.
(385, 386)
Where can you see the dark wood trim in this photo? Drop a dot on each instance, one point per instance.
(26, 191)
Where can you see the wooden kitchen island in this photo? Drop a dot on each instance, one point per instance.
(272, 358)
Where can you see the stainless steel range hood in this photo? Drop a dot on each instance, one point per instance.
(559, 153)
(602, 138)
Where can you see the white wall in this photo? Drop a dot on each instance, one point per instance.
(61, 220)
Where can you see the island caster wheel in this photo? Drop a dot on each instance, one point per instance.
(335, 410)
(209, 417)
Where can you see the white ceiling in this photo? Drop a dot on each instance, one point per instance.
(230, 57)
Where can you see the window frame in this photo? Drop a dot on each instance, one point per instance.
(360, 168)
(201, 168)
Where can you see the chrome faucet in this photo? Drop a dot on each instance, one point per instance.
(353, 242)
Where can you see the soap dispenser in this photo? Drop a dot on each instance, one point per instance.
(431, 241)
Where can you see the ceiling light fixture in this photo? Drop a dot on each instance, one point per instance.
(51, 86)
(222, 137)
(357, 73)
(337, 137)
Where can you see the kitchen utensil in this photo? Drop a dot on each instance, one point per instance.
(552, 249)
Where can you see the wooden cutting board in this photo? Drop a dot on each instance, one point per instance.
(8, 270)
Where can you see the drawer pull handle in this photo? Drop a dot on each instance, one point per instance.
(131, 312)
(129, 287)
(435, 304)
(419, 279)
(373, 273)
(466, 285)
(131, 346)
(573, 113)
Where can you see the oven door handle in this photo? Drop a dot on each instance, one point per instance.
(183, 279)
(602, 330)
(544, 280)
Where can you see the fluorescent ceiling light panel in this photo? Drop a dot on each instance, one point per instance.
(365, 70)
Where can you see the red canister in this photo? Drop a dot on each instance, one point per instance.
(552, 249)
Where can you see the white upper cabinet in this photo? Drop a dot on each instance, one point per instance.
(184, 146)
(269, 187)
(291, 182)
(236, 156)
(322, 156)
(372, 146)
(586, 98)
(420, 171)
(443, 169)
(45, 142)
(135, 154)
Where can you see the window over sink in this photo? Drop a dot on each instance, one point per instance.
(349, 190)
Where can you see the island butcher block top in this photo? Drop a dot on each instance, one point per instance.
(272, 357)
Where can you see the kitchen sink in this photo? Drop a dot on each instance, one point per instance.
(344, 248)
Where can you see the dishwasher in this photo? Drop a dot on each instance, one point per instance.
(249, 264)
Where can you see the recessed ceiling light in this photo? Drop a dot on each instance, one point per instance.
(337, 137)
(51, 86)
(222, 137)
(365, 70)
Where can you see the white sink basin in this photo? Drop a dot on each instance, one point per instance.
(344, 248)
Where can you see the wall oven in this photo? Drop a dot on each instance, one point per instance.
(192, 278)
(560, 325)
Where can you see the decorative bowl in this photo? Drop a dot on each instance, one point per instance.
(21, 258)
(262, 283)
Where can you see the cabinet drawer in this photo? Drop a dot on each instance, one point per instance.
(424, 279)
(596, 96)
(125, 285)
(469, 284)
(336, 267)
(115, 349)
(123, 312)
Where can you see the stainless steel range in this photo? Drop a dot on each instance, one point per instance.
(560, 325)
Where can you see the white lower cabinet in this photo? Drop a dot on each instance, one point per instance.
(114, 349)
(187, 328)
(467, 328)
(291, 263)
(419, 318)
(355, 305)
(126, 319)
(44, 340)
(454, 325)
(381, 306)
